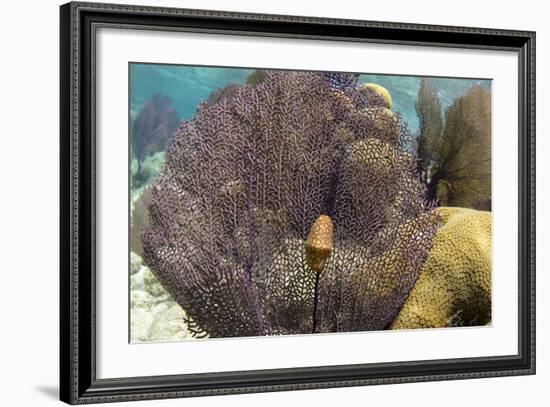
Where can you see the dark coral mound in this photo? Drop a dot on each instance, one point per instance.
(245, 180)
(154, 126)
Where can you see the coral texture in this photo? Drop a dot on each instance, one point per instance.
(465, 163)
(455, 161)
(454, 285)
(428, 109)
(380, 91)
(242, 187)
(227, 92)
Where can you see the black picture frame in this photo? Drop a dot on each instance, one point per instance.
(78, 382)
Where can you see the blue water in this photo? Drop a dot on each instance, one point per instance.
(187, 86)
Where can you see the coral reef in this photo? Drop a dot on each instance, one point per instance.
(249, 179)
(454, 285)
(153, 128)
(465, 159)
(457, 162)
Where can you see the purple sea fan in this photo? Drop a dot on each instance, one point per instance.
(244, 182)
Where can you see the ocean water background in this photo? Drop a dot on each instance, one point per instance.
(187, 86)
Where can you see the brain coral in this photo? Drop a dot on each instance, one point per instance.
(454, 285)
(248, 180)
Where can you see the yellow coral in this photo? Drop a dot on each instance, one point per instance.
(319, 243)
(380, 91)
(455, 281)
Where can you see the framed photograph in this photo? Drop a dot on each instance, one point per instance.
(255, 203)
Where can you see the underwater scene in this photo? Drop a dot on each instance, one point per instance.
(279, 202)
